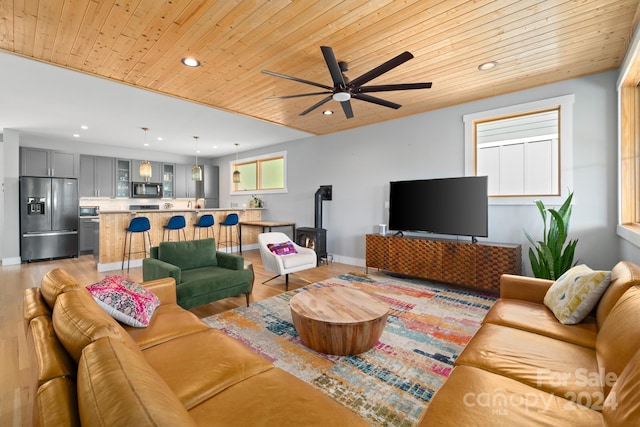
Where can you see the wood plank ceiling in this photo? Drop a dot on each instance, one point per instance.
(141, 43)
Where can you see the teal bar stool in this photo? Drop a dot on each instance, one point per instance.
(230, 221)
(177, 223)
(205, 221)
(138, 224)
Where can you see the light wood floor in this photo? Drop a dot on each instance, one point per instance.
(16, 366)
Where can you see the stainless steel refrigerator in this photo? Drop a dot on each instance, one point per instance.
(48, 218)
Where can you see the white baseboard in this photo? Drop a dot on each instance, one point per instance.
(118, 265)
(358, 262)
(11, 261)
(247, 247)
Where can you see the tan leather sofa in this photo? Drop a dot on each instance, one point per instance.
(524, 368)
(175, 372)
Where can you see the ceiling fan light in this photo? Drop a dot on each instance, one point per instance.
(341, 96)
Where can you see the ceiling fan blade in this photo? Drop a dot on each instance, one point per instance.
(381, 69)
(334, 68)
(295, 96)
(387, 88)
(346, 107)
(316, 105)
(373, 99)
(295, 79)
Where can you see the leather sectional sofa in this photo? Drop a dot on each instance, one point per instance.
(524, 368)
(521, 368)
(176, 372)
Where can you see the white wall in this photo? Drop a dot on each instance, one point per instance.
(359, 163)
(2, 194)
(10, 218)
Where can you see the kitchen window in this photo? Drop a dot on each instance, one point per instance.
(262, 174)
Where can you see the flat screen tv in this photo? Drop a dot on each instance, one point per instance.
(454, 206)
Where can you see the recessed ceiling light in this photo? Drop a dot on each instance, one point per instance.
(327, 112)
(190, 62)
(85, 127)
(159, 138)
(75, 135)
(487, 66)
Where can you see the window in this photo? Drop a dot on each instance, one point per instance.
(519, 154)
(630, 157)
(525, 150)
(263, 174)
(629, 145)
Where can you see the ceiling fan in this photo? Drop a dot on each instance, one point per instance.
(344, 89)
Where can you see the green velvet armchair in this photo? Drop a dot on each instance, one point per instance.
(202, 274)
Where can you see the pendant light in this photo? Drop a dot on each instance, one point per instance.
(145, 166)
(236, 172)
(196, 171)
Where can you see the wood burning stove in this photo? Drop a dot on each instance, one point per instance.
(316, 237)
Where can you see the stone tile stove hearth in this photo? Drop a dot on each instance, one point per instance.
(316, 237)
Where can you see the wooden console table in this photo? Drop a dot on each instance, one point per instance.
(478, 265)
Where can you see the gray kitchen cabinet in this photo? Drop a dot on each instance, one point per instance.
(180, 182)
(41, 162)
(97, 176)
(86, 236)
(86, 183)
(123, 172)
(211, 187)
(156, 171)
(96, 240)
(105, 176)
(185, 186)
(168, 180)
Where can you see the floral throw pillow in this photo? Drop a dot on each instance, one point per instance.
(285, 248)
(125, 300)
(575, 293)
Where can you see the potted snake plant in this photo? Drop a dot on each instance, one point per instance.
(552, 256)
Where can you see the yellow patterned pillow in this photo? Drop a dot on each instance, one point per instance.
(575, 293)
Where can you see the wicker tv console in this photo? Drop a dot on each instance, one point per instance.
(477, 265)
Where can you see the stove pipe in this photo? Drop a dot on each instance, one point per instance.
(323, 193)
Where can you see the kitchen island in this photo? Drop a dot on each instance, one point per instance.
(114, 222)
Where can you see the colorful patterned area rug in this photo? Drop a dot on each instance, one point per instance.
(391, 384)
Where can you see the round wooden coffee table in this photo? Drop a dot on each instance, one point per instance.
(337, 320)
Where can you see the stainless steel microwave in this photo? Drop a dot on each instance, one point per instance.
(146, 190)
(89, 211)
